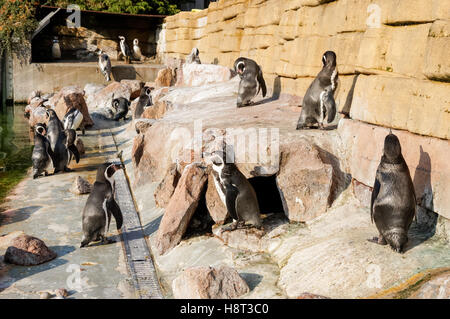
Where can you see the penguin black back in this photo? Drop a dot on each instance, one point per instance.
(393, 202)
(145, 100)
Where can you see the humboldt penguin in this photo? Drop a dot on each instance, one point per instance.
(136, 50)
(252, 80)
(61, 143)
(193, 57)
(125, 49)
(104, 63)
(318, 102)
(393, 202)
(100, 205)
(236, 192)
(73, 120)
(145, 100)
(56, 49)
(42, 152)
(120, 105)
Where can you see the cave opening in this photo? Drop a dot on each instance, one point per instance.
(269, 198)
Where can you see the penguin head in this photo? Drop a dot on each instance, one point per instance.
(41, 128)
(392, 148)
(106, 171)
(55, 39)
(115, 103)
(51, 114)
(122, 38)
(329, 58)
(135, 41)
(240, 67)
(195, 52)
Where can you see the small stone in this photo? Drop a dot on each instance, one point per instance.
(81, 186)
(61, 292)
(45, 295)
(28, 251)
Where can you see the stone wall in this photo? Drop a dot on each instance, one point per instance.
(399, 46)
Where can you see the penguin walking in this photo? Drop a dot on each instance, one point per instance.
(252, 80)
(62, 143)
(236, 193)
(136, 50)
(56, 49)
(145, 100)
(42, 153)
(100, 205)
(73, 120)
(104, 63)
(125, 49)
(393, 202)
(121, 106)
(193, 57)
(318, 102)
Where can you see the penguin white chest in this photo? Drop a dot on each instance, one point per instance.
(56, 51)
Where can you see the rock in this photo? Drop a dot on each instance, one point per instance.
(165, 77)
(71, 97)
(247, 239)
(307, 295)
(181, 207)
(304, 181)
(80, 186)
(436, 288)
(38, 115)
(61, 292)
(209, 283)
(156, 111)
(104, 97)
(166, 188)
(134, 86)
(6, 240)
(28, 251)
(34, 94)
(80, 146)
(203, 74)
(362, 192)
(141, 125)
(90, 90)
(45, 295)
(216, 207)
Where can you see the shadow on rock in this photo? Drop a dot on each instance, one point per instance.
(275, 94)
(252, 280)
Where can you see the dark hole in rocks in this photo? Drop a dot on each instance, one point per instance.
(269, 198)
(201, 222)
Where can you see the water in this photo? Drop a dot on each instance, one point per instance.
(15, 148)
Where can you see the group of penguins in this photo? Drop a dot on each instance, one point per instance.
(393, 202)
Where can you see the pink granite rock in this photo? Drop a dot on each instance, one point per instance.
(28, 251)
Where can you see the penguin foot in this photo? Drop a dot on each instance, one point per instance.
(378, 240)
(68, 170)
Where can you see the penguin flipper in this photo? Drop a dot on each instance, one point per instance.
(262, 83)
(230, 200)
(330, 106)
(73, 149)
(375, 191)
(114, 209)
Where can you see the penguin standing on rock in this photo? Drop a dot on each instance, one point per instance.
(104, 62)
(318, 101)
(145, 100)
(125, 49)
(61, 143)
(73, 119)
(252, 80)
(236, 192)
(393, 202)
(100, 205)
(136, 50)
(42, 153)
(193, 57)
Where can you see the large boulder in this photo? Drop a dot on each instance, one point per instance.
(104, 97)
(181, 207)
(209, 283)
(214, 203)
(134, 86)
(202, 74)
(304, 181)
(71, 97)
(166, 188)
(38, 115)
(90, 90)
(156, 111)
(165, 78)
(28, 251)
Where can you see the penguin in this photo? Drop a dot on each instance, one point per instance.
(193, 57)
(318, 101)
(56, 50)
(145, 100)
(120, 105)
(252, 80)
(100, 205)
(61, 143)
(42, 153)
(125, 49)
(393, 202)
(137, 50)
(73, 120)
(104, 63)
(236, 193)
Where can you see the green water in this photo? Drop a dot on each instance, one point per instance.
(15, 148)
